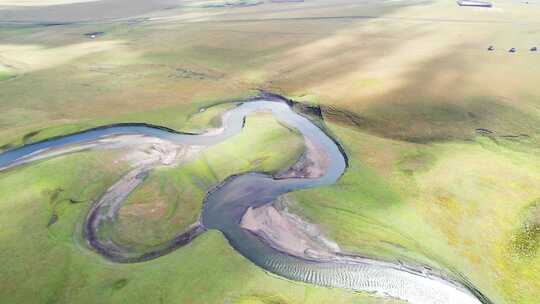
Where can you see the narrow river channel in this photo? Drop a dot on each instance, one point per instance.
(226, 204)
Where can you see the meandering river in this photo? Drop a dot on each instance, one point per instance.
(225, 205)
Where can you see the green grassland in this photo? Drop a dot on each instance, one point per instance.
(4, 75)
(47, 263)
(469, 207)
(404, 86)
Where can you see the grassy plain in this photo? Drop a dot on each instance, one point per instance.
(404, 86)
(47, 263)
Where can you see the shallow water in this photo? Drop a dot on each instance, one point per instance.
(225, 205)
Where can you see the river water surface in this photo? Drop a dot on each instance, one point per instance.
(225, 205)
